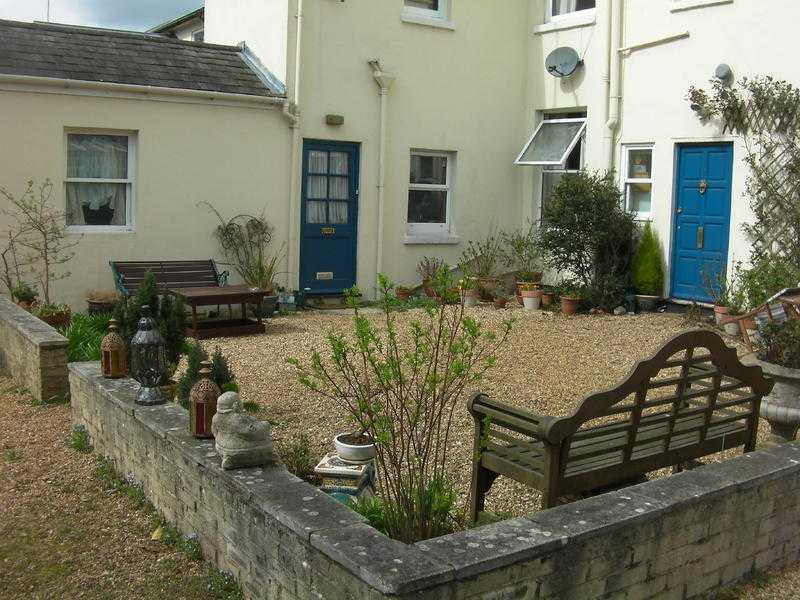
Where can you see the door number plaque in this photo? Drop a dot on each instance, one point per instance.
(328, 230)
(325, 276)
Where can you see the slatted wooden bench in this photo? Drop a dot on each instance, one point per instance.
(692, 398)
(169, 274)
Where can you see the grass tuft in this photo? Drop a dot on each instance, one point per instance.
(11, 455)
(79, 440)
(251, 407)
(223, 586)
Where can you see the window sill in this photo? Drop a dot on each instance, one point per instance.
(427, 21)
(572, 22)
(431, 239)
(681, 5)
(97, 229)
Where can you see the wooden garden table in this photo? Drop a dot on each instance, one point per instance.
(212, 295)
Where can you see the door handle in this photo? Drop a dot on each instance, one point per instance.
(703, 186)
(701, 237)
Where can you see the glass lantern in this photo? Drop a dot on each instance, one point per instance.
(114, 353)
(203, 403)
(148, 360)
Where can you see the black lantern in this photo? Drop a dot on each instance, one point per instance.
(148, 360)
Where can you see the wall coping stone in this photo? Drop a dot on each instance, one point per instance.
(394, 568)
(31, 327)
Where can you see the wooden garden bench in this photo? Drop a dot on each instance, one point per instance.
(692, 398)
(169, 274)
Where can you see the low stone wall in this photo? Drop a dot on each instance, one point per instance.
(32, 352)
(676, 537)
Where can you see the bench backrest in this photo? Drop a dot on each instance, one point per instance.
(128, 276)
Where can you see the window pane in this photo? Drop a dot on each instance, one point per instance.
(640, 164)
(424, 4)
(198, 36)
(339, 188)
(430, 170)
(317, 186)
(427, 206)
(338, 212)
(97, 156)
(317, 162)
(561, 7)
(97, 203)
(339, 163)
(315, 211)
(639, 197)
(550, 180)
(551, 142)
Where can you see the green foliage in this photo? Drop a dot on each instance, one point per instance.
(171, 536)
(113, 483)
(434, 508)
(78, 440)
(481, 259)
(767, 277)
(779, 343)
(402, 387)
(647, 270)
(85, 333)
(521, 251)
(429, 266)
(251, 407)
(586, 232)
(727, 290)
(221, 372)
(172, 326)
(297, 455)
(11, 455)
(23, 292)
(51, 401)
(223, 586)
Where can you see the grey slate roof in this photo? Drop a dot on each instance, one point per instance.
(167, 26)
(88, 54)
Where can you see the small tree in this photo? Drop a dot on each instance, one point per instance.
(586, 232)
(38, 232)
(402, 387)
(647, 270)
(521, 251)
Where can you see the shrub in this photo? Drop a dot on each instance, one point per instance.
(221, 372)
(521, 252)
(480, 259)
(647, 270)
(85, 333)
(79, 440)
(428, 267)
(779, 343)
(766, 278)
(586, 232)
(297, 456)
(402, 387)
(23, 292)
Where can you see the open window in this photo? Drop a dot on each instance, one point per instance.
(552, 142)
(560, 9)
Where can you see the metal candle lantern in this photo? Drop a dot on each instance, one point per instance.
(148, 360)
(114, 353)
(203, 403)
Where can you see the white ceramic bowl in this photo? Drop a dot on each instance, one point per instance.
(354, 454)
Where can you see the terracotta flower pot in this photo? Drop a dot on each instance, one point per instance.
(719, 312)
(429, 291)
(470, 298)
(569, 306)
(403, 294)
(500, 303)
(547, 299)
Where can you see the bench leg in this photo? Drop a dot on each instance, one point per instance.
(482, 480)
(549, 499)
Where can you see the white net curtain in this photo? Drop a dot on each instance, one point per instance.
(100, 157)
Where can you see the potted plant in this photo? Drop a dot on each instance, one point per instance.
(480, 260)
(427, 268)
(522, 255)
(55, 315)
(531, 296)
(403, 293)
(728, 295)
(647, 271)
(778, 354)
(23, 294)
(547, 296)
(571, 296)
(500, 301)
(469, 292)
(355, 447)
(100, 302)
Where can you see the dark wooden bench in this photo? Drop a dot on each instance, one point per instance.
(169, 274)
(692, 398)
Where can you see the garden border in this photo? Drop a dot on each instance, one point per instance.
(676, 537)
(33, 353)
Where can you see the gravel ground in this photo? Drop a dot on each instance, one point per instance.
(549, 363)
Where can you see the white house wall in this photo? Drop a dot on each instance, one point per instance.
(235, 158)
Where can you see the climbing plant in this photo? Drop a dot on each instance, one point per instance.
(765, 112)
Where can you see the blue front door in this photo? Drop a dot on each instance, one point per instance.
(329, 215)
(702, 219)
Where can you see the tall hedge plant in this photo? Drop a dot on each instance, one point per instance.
(647, 270)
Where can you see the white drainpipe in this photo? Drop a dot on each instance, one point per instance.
(291, 111)
(615, 12)
(384, 81)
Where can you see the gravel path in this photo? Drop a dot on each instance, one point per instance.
(548, 365)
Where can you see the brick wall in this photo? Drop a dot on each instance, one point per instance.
(676, 537)
(32, 352)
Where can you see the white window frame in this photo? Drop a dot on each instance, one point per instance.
(627, 180)
(195, 32)
(415, 13)
(432, 229)
(563, 169)
(549, 17)
(554, 163)
(130, 191)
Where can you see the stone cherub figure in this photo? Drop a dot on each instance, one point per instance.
(241, 440)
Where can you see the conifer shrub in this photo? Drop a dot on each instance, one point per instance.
(647, 271)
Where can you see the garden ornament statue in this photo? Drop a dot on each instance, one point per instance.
(148, 360)
(241, 440)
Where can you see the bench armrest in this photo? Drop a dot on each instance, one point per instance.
(544, 427)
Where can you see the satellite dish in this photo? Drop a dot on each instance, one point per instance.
(562, 62)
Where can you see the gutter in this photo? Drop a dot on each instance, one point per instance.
(616, 10)
(144, 90)
(291, 112)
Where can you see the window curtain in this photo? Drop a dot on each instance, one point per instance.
(97, 157)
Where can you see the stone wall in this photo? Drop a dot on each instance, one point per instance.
(676, 537)
(32, 352)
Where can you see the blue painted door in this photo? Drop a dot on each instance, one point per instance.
(329, 216)
(702, 219)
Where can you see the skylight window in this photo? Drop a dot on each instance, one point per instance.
(552, 142)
